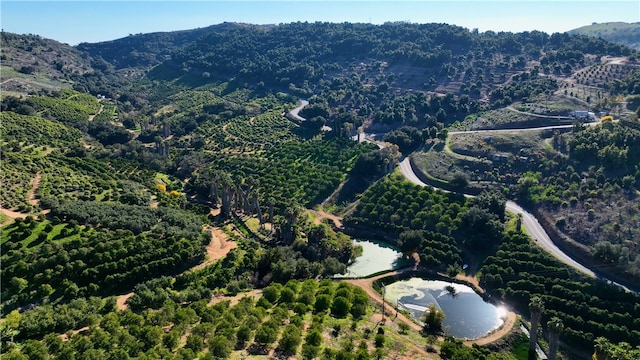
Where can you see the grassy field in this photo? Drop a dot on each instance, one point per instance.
(483, 145)
(30, 234)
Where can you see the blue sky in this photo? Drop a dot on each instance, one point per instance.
(73, 22)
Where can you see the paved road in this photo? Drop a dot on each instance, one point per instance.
(294, 113)
(530, 223)
(536, 231)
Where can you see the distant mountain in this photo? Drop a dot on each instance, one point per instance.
(617, 32)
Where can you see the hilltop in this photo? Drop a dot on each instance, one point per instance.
(618, 32)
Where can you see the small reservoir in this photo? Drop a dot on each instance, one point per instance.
(467, 315)
(376, 257)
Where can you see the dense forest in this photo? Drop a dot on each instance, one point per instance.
(158, 201)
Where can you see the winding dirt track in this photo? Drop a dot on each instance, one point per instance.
(218, 247)
(35, 184)
(31, 196)
(121, 301)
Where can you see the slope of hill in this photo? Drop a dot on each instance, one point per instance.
(119, 195)
(31, 62)
(618, 32)
(143, 50)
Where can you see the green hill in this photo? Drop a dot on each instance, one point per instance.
(149, 176)
(618, 32)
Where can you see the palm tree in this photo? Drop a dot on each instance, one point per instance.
(536, 306)
(432, 318)
(228, 190)
(254, 193)
(555, 327)
(519, 222)
(290, 228)
(601, 348)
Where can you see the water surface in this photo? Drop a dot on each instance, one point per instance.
(467, 315)
(376, 257)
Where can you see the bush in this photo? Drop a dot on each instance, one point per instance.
(323, 302)
(379, 341)
(340, 307)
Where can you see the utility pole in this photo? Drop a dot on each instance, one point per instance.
(383, 294)
(397, 305)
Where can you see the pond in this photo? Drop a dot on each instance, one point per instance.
(376, 257)
(467, 315)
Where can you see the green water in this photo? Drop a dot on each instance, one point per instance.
(376, 257)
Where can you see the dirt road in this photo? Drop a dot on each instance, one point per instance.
(218, 247)
(31, 196)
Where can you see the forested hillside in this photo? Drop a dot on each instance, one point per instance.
(158, 202)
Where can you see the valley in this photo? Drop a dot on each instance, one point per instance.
(199, 194)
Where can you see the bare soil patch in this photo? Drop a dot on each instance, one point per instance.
(121, 301)
(12, 215)
(91, 117)
(65, 337)
(218, 247)
(321, 215)
(255, 294)
(31, 194)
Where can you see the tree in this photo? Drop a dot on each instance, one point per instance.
(555, 327)
(404, 328)
(272, 292)
(12, 323)
(536, 306)
(519, 222)
(243, 335)
(493, 201)
(459, 180)
(323, 302)
(220, 347)
(482, 227)
(432, 318)
(266, 334)
(601, 348)
(340, 306)
(291, 338)
(410, 240)
(194, 342)
(35, 349)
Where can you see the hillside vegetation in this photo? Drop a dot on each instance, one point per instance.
(617, 32)
(158, 203)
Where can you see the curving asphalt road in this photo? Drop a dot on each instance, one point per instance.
(530, 223)
(536, 231)
(294, 113)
